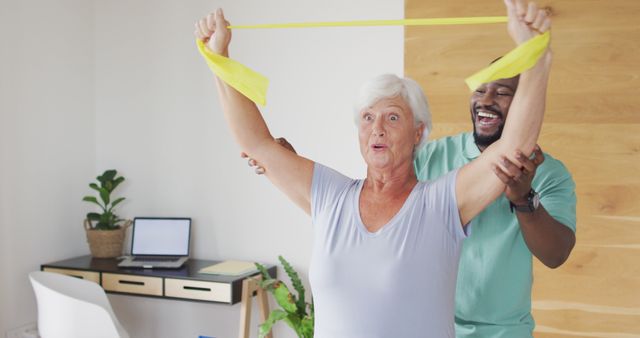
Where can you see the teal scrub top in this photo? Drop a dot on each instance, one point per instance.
(493, 292)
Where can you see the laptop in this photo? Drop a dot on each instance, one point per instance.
(158, 243)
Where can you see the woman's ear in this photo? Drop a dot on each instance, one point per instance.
(419, 132)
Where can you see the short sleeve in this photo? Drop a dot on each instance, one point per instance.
(326, 188)
(441, 197)
(557, 192)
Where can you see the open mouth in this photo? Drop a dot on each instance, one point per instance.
(488, 118)
(378, 146)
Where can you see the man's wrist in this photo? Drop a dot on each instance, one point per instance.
(529, 203)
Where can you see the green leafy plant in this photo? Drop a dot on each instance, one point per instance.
(107, 219)
(296, 312)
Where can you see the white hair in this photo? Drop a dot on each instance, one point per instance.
(388, 86)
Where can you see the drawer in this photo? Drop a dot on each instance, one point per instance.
(86, 275)
(132, 284)
(199, 290)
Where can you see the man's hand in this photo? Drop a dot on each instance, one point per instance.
(518, 180)
(260, 170)
(213, 30)
(526, 20)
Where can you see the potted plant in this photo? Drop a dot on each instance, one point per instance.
(105, 230)
(296, 312)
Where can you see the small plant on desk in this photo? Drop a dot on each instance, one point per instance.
(296, 312)
(107, 219)
(105, 230)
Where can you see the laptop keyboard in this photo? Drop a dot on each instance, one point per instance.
(155, 259)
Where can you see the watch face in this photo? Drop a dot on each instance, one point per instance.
(535, 201)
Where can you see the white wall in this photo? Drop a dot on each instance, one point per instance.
(47, 141)
(158, 121)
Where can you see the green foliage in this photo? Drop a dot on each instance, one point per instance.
(297, 285)
(298, 314)
(107, 219)
(274, 316)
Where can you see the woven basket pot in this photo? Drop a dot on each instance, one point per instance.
(105, 243)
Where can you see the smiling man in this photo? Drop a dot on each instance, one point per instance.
(536, 216)
(489, 105)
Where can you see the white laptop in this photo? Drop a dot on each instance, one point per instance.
(158, 243)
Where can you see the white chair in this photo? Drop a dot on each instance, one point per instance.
(70, 307)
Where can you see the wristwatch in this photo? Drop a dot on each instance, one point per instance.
(533, 202)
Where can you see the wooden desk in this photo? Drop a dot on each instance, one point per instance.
(183, 284)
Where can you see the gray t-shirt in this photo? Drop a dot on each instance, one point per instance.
(396, 282)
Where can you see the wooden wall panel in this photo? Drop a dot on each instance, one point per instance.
(592, 124)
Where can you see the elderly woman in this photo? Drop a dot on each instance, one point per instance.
(386, 247)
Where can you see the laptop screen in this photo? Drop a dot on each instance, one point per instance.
(160, 236)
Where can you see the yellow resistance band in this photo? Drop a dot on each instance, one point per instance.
(513, 63)
(254, 85)
(404, 22)
(248, 82)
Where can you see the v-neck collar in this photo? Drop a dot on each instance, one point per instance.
(391, 222)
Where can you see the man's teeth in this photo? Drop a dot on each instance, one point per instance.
(491, 116)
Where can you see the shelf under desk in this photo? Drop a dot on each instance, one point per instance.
(184, 283)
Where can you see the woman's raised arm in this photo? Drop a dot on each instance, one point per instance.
(288, 171)
(476, 185)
